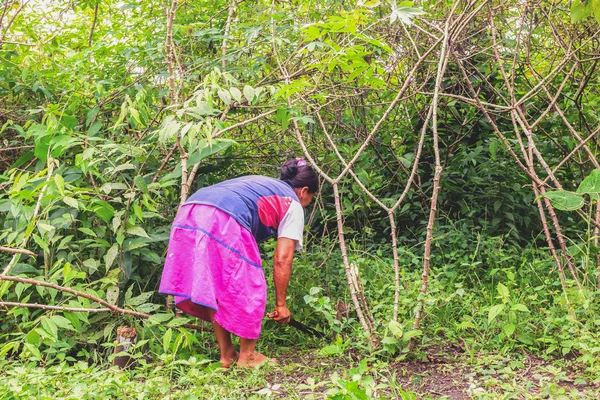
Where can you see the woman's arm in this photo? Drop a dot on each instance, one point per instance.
(282, 270)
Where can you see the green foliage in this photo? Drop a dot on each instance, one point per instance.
(581, 10)
(569, 201)
(91, 181)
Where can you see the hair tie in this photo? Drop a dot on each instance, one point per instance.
(301, 162)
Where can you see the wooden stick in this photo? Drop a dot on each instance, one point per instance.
(91, 36)
(164, 163)
(342, 242)
(109, 307)
(57, 308)
(442, 64)
(16, 147)
(169, 48)
(242, 123)
(226, 33)
(78, 293)
(17, 251)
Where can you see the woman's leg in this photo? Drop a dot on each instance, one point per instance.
(228, 353)
(249, 357)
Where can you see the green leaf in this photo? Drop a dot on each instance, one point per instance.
(148, 308)
(41, 148)
(60, 184)
(370, 4)
(283, 117)
(305, 120)
(88, 231)
(236, 94)
(207, 150)
(116, 224)
(389, 340)
(61, 143)
(308, 299)
(71, 202)
(579, 11)
(4, 286)
(35, 352)
(494, 311)
(564, 200)
(19, 287)
(224, 96)
(502, 291)
(167, 340)
(112, 295)
(103, 209)
(520, 307)
(41, 242)
(591, 184)
(412, 333)
(50, 327)
(494, 146)
(107, 187)
(169, 129)
(94, 129)
(160, 318)
(44, 228)
(62, 322)
(122, 167)
(111, 255)
(330, 350)
(396, 329)
(138, 300)
(509, 329)
(249, 93)
(178, 322)
(405, 14)
(202, 108)
(91, 265)
(137, 210)
(10, 347)
(140, 182)
(33, 337)
(91, 115)
(595, 4)
(137, 231)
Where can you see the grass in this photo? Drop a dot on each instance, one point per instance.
(444, 372)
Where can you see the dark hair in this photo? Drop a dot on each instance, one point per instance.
(298, 174)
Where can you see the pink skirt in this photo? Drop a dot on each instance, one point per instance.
(214, 262)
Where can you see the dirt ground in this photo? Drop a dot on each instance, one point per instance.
(452, 378)
(451, 374)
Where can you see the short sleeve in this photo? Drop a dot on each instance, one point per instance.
(292, 224)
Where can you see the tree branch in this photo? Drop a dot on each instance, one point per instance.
(56, 308)
(108, 307)
(226, 33)
(17, 251)
(91, 36)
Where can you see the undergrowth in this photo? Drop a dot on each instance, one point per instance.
(491, 301)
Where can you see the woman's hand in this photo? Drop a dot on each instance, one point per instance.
(281, 315)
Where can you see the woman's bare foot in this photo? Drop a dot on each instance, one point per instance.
(227, 360)
(254, 359)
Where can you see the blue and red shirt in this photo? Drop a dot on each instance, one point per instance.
(267, 207)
